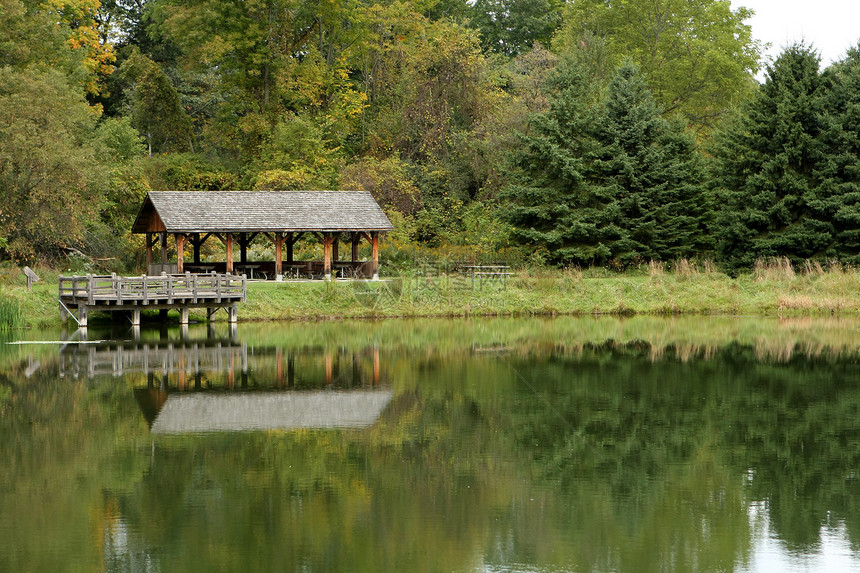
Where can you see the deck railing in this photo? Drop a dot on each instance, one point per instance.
(112, 289)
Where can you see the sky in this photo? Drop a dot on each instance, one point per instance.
(831, 26)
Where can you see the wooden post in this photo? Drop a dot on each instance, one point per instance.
(196, 242)
(149, 242)
(279, 241)
(290, 243)
(229, 244)
(374, 241)
(327, 241)
(180, 252)
(162, 241)
(355, 240)
(335, 251)
(243, 248)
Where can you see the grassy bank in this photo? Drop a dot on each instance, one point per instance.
(563, 292)
(769, 290)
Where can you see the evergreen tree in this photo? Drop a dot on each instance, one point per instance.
(549, 207)
(766, 164)
(650, 169)
(609, 182)
(838, 173)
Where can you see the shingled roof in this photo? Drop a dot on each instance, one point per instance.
(260, 211)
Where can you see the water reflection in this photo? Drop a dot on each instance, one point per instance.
(212, 384)
(500, 445)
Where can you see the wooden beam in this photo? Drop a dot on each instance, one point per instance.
(196, 242)
(374, 241)
(149, 242)
(279, 240)
(327, 241)
(162, 241)
(335, 251)
(229, 244)
(245, 239)
(180, 252)
(291, 240)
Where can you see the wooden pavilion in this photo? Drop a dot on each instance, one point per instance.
(282, 217)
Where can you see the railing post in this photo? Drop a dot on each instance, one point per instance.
(116, 286)
(90, 287)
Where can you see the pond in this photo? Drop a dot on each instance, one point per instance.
(564, 444)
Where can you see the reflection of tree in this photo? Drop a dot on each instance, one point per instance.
(796, 427)
(648, 436)
(608, 457)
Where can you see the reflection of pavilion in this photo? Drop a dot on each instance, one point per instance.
(218, 412)
(222, 385)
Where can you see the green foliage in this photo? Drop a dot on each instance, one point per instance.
(386, 179)
(542, 207)
(697, 56)
(154, 105)
(437, 107)
(119, 140)
(58, 34)
(11, 316)
(296, 156)
(48, 174)
(611, 181)
(838, 172)
(513, 27)
(188, 172)
(766, 169)
(651, 168)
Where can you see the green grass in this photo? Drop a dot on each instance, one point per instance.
(11, 316)
(553, 292)
(654, 291)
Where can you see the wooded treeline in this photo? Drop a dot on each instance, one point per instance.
(537, 131)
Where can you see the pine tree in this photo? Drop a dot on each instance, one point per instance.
(766, 164)
(609, 181)
(549, 207)
(838, 173)
(651, 170)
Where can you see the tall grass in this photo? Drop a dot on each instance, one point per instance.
(11, 315)
(773, 269)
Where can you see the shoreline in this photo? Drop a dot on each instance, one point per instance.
(527, 294)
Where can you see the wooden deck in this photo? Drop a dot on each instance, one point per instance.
(111, 293)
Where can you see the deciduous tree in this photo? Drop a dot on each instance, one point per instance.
(48, 171)
(698, 56)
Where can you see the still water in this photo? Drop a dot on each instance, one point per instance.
(567, 444)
